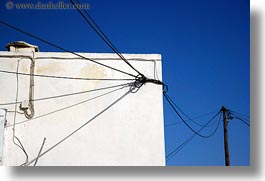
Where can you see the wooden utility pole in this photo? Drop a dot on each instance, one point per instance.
(227, 158)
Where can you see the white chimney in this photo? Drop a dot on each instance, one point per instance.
(21, 46)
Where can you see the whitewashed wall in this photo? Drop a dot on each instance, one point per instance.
(2, 123)
(130, 133)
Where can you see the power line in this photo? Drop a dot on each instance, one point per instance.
(172, 104)
(98, 29)
(181, 146)
(66, 95)
(61, 48)
(188, 118)
(62, 77)
(101, 34)
(239, 116)
(197, 117)
(245, 115)
(240, 119)
(67, 107)
(79, 128)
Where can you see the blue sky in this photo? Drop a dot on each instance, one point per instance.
(205, 47)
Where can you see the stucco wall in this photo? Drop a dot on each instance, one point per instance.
(2, 122)
(131, 132)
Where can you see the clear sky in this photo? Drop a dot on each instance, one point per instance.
(205, 47)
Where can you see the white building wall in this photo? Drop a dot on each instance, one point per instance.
(130, 133)
(2, 123)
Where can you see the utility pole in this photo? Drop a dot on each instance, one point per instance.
(227, 158)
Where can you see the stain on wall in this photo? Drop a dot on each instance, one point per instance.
(92, 71)
(51, 68)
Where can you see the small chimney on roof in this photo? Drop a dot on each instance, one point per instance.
(21, 46)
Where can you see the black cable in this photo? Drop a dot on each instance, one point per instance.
(82, 126)
(99, 31)
(67, 107)
(197, 117)
(240, 119)
(247, 116)
(66, 95)
(60, 48)
(101, 34)
(181, 146)
(62, 77)
(188, 118)
(172, 104)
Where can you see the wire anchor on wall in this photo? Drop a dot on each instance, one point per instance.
(140, 80)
